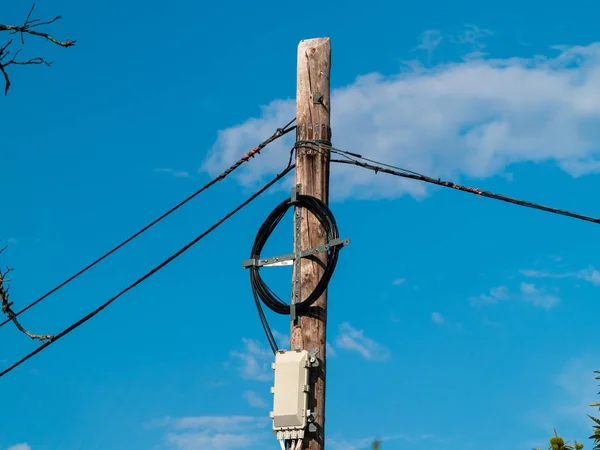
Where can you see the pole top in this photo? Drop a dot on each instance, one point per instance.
(314, 42)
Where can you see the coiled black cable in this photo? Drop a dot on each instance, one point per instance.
(261, 291)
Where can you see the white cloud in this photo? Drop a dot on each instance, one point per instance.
(577, 379)
(591, 275)
(354, 340)
(399, 281)
(213, 432)
(365, 443)
(215, 423)
(255, 400)
(527, 292)
(20, 447)
(473, 37)
(175, 173)
(330, 350)
(472, 118)
(282, 339)
(429, 41)
(538, 297)
(542, 274)
(437, 318)
(496, 294)
(255, 361)
(528, 289)
(11, 241)
(569, 402)
(344, 444)
(205, 441)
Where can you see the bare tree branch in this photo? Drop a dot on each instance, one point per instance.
(6, 306)
(28, 27)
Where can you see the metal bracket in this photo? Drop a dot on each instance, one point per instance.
(317, 99)
(314, 362)
(297, 249)
(296, 191)
(311, 416)
(287, 260)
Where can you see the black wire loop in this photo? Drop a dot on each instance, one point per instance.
(261, 291)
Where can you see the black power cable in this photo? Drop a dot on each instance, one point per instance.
(186, 247)
(378, 166)
(261, 291)
(280, 132)
(449, 184)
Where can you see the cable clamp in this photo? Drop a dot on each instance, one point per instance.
(313, 360)
(295, 319)
(296, 190)
(251, 263)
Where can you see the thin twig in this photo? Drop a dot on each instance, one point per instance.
(6, 306)
(27, 28)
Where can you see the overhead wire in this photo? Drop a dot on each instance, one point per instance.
(256, 150)
(261, 291)
(175, 255)
(377, 166)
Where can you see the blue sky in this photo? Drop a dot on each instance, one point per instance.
(452, 319)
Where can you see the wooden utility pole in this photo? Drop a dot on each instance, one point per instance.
(312, 173)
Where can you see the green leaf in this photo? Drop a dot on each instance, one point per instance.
(594, 419)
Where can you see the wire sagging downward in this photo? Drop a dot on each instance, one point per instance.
(256, 150)
(89, 316)
(377, 166)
